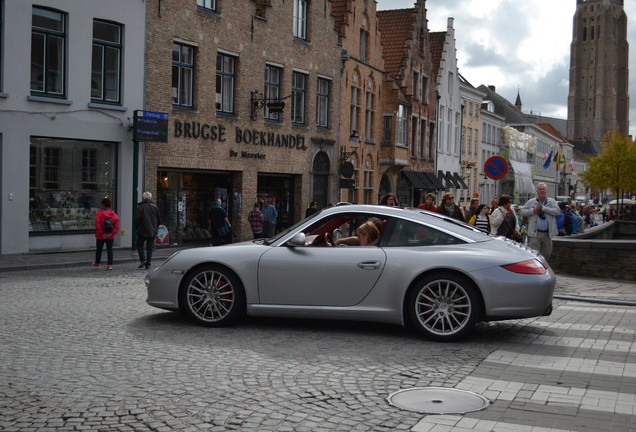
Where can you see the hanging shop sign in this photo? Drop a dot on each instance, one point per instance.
(150, 126)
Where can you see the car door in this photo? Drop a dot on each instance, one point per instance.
(315, 276)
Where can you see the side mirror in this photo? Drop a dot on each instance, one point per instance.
(297, 240)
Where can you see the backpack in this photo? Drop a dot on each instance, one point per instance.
(107, 227)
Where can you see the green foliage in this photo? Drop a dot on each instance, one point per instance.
(615, 168)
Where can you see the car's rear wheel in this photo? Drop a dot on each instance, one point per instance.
(443, 307)
(212, 296)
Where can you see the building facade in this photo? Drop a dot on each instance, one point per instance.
(251, 90)
(359, 121)
(407, 153)
(598, 99)
(470, 152)
(71, 78)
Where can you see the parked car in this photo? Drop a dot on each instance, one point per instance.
(435, 274)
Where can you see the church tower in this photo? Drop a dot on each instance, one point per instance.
(598, 100)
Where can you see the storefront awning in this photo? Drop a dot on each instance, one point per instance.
(451, 181)
(460, 180)
(418, 180)
(523, 177)
(437, 185)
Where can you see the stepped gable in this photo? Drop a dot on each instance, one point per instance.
(436, 46)
(339, 9)
(396, 31)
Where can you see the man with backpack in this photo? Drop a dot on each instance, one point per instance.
(147, 223)
(106, 227)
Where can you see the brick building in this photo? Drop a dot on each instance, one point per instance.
(222, 71)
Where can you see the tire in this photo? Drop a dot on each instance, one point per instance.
(212, 296)
(443, 307)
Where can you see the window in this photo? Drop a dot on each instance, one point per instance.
(225, 82)
(402, 123)
(67, 181)
(416, 86)
(272, 90)
(322, 103)
(207, 4)
(299, 90)
(425, 90)
(300, 19)
(368, 181)
(364, 45)
(414, 137)
(354, 110)
(48, 47)
(182, 74)
(423, 146)
(387, 132)
(106, 67)
(369, 114)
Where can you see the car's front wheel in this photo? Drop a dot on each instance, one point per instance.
(212, 296)
(443, 307)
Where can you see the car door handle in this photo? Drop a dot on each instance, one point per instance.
(370, 265)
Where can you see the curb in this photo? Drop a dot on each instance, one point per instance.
(595, 300)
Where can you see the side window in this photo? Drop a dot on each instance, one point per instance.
(406, 233)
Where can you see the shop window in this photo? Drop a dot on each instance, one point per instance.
(323, 95)
(48, 52)
(106, 62)
(368, 180)
(225, 82)
(182, 75)
(300, 19)
(67, 181)
(321, 168)
(299, 94)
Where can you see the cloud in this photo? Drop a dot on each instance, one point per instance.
(516, 44)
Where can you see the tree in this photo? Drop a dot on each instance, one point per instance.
(615, 168)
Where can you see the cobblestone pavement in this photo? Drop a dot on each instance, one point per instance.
(82, 351)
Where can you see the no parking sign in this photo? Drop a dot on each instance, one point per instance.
(495, 167)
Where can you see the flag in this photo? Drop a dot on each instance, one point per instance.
(571, 166)
(557, 159)
(548, 158)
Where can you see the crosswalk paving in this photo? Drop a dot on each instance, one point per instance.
(574, 371)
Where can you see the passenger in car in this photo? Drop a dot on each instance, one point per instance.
(367, 235)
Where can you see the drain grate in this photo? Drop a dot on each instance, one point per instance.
(438, 400)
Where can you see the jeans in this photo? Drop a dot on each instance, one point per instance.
(150, 244)
(269, 229)
(109, 250)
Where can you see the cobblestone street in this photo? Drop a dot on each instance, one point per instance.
(82, 351)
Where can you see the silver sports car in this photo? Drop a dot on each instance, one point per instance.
(436, 274)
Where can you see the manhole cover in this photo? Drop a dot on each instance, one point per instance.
(438, 400)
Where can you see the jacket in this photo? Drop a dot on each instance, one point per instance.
(147, 220)
(101, 216)
(497, 217)
(551, 210)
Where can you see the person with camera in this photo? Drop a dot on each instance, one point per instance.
(541, 212)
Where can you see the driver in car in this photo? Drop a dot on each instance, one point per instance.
(367, 235)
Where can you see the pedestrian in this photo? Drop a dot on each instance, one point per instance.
(106, 227)
(481, 218)
(271, 214)
(429, 203)
(257, 220)
(147, 222)
(541, 212)
(503, 220)
(219, 224)
(311, 209)
(472, 209)
(448, 207)
(389, 200)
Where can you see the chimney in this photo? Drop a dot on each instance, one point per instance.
(491, 87)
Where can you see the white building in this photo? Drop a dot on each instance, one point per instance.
(449, 109)
(72, 75)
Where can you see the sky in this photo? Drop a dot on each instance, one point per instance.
(519, 46)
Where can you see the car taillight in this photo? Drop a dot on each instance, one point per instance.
(532, 266)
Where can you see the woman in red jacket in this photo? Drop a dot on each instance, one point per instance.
(106, 227)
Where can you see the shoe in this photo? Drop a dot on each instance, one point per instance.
(95, 264)
(109, 267)
(147, 265)
(141, 265)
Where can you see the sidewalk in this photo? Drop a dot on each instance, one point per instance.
(612, 291)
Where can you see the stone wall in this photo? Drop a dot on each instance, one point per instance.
(596, 254)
